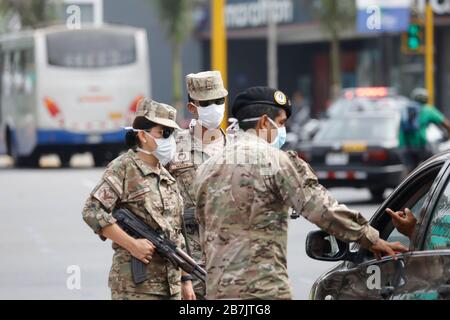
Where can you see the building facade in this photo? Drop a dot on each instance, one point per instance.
(374, 59)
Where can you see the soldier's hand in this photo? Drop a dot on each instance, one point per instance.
(403, 221)
(382, 248)
(187, 291)
(143, 250)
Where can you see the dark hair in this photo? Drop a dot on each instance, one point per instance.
(255, 111)
(131, 138)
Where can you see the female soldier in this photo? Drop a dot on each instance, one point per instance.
(139, 182)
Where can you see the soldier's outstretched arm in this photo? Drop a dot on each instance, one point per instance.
(300, 187)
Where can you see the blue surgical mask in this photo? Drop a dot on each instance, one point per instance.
(280, 140)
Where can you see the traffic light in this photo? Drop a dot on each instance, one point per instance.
(413, 41)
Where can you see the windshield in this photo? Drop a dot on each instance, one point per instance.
(367, 129)
(91, 49)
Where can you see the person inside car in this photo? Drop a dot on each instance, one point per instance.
(405, 222)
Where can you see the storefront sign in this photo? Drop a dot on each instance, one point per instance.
(383, 15)
(255, 13)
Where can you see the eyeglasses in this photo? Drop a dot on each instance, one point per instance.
(165, 132)
(211, 102)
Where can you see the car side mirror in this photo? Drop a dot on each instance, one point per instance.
(321, 246)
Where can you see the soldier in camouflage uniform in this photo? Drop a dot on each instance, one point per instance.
(195, 145)
(243, 197)
(139, 182)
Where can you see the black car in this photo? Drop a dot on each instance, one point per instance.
(358, 149)
(423, 273)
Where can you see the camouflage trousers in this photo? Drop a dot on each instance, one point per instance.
(193, 240)
(199, 289)
(121, 295)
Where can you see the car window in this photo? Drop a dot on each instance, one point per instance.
(415, 204)
(374, 128)
(412, 195)
(438, 232)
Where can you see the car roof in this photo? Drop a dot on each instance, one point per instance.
(342, 106)
(367, 114)
(443, 156)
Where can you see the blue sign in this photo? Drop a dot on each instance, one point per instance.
(375, 16)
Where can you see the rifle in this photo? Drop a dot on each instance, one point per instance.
(138, 229)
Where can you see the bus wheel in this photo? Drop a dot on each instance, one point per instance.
(27, 162)
(100, 159)
(31, 161)
(64, 158)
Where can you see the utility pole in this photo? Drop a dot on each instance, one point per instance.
(272, 44)
(219, 45)
(429, 53)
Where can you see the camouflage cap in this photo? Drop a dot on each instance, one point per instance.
(157, 112)
(205, 86)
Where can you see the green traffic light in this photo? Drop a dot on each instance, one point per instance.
(413, 43)
(414, 30)
(414, 38)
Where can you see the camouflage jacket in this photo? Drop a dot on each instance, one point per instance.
(243, 198)
(191, 153)
(152, 196)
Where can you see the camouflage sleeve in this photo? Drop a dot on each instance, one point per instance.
(300, 187)
(200, 199)
(185, 177)
(180, 217)
(98, 207)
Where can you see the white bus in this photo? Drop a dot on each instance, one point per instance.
(69, 91)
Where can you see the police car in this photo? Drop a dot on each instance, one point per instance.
(357, 145)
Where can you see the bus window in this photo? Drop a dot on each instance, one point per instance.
(29, 71)
(91, 49)
(6, 76)
(17, 72)
(2, 72)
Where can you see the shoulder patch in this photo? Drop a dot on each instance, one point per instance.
(106, 195)
(115, 183)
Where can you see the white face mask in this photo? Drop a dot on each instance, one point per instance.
(165, 152)
(211, 117)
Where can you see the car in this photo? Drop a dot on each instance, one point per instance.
(358, 150)
(366, 99)
(422, 273)
(351, 100)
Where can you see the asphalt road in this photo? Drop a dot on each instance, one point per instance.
(44, 242)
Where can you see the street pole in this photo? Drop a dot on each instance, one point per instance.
(219, 45)
(272, 44)
(429, 53)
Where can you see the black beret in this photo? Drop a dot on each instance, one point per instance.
(264, 96)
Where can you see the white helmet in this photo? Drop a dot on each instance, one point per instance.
(420, 95)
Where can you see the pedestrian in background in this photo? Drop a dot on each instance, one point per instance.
(416, 118)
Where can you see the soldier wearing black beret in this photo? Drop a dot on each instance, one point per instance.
(243, 199)
(265, 108)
